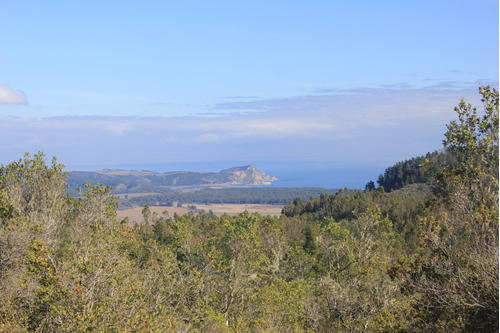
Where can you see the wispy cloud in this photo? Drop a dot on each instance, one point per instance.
(372, 126)
(243, 97)
(9, 96)
(355, 106)
(207, 138)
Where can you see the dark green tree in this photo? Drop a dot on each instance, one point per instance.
(370, 186)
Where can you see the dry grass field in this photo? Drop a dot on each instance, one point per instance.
(235, 209)
(135, 214)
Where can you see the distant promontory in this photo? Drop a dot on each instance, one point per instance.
(125, 181)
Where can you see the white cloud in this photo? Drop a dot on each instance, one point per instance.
(371, 126)
(171, 139)
(279, 128)
(11, 97)
(207, 137)
(118, 128)
(30, 142)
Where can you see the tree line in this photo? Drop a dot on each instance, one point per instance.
(259, 195)
(417, 170)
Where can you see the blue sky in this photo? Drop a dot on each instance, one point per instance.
(109, 83)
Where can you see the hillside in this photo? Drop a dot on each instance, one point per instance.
(124, 181)
(417, 170)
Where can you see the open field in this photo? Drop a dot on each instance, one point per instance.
(135, 214)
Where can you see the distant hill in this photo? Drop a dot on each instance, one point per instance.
(124, 181)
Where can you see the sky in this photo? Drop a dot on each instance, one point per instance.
(103, 84)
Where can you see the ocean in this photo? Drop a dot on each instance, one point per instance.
(329, 175)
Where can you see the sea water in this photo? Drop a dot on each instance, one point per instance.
(329, 175)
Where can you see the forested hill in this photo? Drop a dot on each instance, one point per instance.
(147, 181)
(417, 170)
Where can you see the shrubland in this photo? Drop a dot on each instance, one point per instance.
(354, 261)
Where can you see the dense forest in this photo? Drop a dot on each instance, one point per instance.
(244, 195)
(353, 261)
(417, 170)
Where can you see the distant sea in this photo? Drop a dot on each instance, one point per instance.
(329, 175)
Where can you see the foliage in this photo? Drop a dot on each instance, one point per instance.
(456, 282)
(259, 195)
(417, 170)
